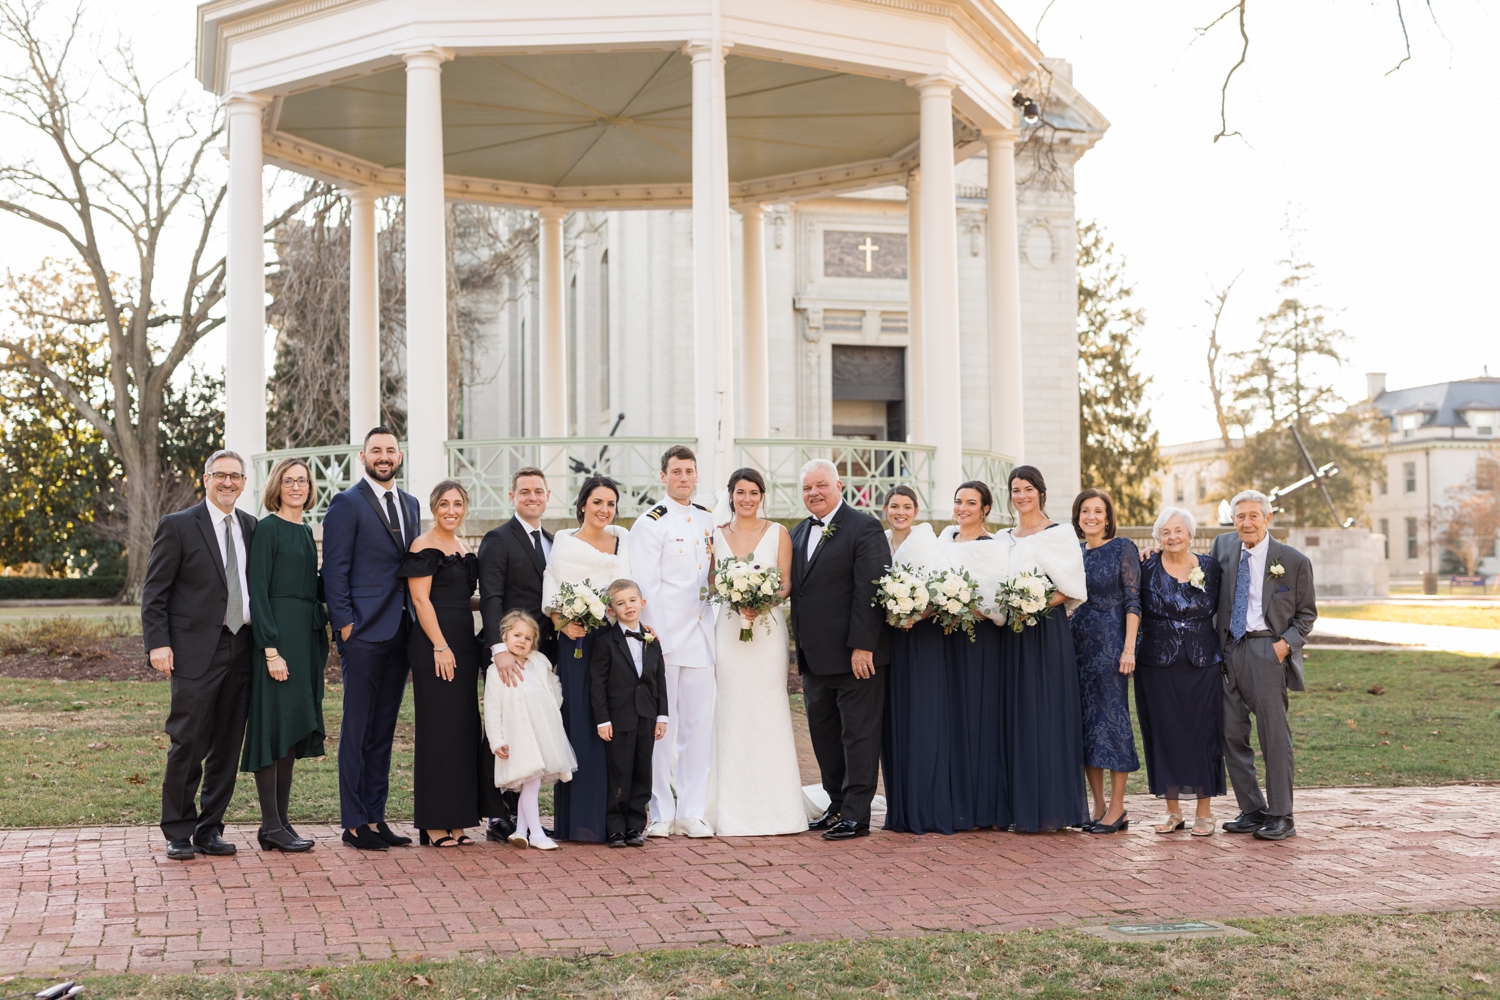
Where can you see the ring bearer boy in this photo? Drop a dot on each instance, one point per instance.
(671, 553)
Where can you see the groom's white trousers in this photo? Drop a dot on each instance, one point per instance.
(681, 757)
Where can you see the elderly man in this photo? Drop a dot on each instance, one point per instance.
(837, 555)
(1266, 608)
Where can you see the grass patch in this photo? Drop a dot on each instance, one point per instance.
(1315, 958)
(62, 635)
(1416, 614)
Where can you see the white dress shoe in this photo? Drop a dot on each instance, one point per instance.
(661, 829)
(517, 839)
(697, 828)
(542, 842)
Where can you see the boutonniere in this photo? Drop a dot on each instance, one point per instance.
(828, 530)
(1195, 578)
(1277, 570)
(648, 638)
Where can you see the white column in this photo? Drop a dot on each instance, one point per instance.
(245, 286)
(939, 225)
(756, 359)
(712, 312)
(364, 316)
(426, 276)
(916, 387)
(552, 360)
(1007, 414)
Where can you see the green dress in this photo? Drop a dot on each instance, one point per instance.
(286, 614)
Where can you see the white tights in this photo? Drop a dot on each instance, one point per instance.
(528, 813)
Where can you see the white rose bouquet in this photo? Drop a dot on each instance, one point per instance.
(957, 600)
(903, 596)
(581, 603)
(741, 585)
(1024, 598)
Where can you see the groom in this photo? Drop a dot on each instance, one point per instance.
(837, 555)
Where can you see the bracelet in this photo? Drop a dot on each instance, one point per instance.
(440, 649)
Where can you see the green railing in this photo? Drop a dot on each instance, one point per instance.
(992, 468)
(485, 467)
(868, 468)
(334, 469)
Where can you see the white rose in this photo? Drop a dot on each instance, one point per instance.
(954, 607)
(767, 589)
(578, 605)
(721, 586)
(965, 595)
(905, 605)
(950, 586)
(890, 606)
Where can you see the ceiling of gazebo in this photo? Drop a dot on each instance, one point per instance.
(583, 119)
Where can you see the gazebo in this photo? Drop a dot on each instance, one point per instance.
(721, 105)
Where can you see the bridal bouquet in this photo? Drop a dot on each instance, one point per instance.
(745, 586)
(1024, 597)
(580, 603)
(956, 597)
(903, 595)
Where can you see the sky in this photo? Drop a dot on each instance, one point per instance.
(1388, 178)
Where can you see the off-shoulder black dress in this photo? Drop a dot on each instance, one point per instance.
(445, 778)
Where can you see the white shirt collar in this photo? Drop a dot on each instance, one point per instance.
(1260, 547)
(379, 486)
(218, 515)
(524, 526)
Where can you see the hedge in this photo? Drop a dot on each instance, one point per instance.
(33, 588)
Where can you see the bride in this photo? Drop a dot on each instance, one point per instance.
(754, 784)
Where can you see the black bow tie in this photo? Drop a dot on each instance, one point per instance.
(637, 636)
(818, 522)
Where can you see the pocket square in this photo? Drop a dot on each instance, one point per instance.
(1283, 590)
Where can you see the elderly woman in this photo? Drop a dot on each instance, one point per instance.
(1178, 694)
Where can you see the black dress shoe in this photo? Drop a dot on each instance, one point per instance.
(615, 840)
(1277, 828)
(633, 838)
(1247, 822)
(214, 846)
(181, 850)
(281, 840)
(824, 821)
(389, 837)
(364, 839)
(846, 829)
(500, 829)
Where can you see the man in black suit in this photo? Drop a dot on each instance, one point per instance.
(837, 555)
(629, 695)
(512, 558)
(195, 616)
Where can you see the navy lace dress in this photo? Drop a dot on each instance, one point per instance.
(1179, 696)
(1114, 575)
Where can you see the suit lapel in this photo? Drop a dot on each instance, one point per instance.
(799, 552)
(206, 522)
(368, 493)
(413, 511)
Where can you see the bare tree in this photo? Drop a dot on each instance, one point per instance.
(1470, 522)
(118, 159)
(1218, 378)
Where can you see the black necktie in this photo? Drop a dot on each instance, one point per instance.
(536, 540)
(637, 636)
(390, 512)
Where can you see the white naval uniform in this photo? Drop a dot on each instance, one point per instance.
(670, 557)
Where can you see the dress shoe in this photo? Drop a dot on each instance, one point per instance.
(214, 846)
(823, 822)
(1277, 828)
(364, 839)
(696, 828)
(518, 839)
(389, 837)
(1101, 827)
(288, 828)
(181, 850)
(500, 830)
(846, 829)
(280, 840)
(1247, 822)
(542, 842)
(659, 829)
(615, 840)
(633, 838)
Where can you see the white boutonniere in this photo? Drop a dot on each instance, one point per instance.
(1277, 570)
(828, 530)
(648, 637)
(1195, 578)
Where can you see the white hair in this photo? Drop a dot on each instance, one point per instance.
(208, 466)
(1251, 496)
(815, 465)
(1167, 513)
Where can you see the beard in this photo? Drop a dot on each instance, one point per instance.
(382, 476)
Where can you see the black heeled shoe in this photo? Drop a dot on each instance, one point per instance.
(281, 840)
(1099, 826)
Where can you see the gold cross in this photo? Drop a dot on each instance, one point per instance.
(869, 249)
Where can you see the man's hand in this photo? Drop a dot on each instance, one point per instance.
(863, 662)
(661, 730)
(508, 667)
(344, 632)
(1283, 650)
(607, 732)
(161, 659)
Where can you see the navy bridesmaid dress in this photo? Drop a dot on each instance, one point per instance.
(916, 744)
(976, 700)
(578, 805)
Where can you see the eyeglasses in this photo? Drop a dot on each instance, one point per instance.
(227, 477)
(299, 481)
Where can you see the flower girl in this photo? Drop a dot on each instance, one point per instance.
(524, 725)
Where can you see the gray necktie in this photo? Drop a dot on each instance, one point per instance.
(234, 616)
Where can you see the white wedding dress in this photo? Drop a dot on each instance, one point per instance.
(754, 784)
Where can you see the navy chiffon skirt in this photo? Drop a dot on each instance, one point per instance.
(578, 805)
(981, 780)
(1043, 726)
(916, 747)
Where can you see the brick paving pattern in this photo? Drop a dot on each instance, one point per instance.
(79, 900)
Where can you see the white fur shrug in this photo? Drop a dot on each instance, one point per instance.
(988, 562)
(1053, 551)
(575, 561)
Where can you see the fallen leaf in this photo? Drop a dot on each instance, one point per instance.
(1480, 977)
(136, 779)
(1351, 723)
(1375, 689)
(1385, 743)
(419, 980)
(98, 746)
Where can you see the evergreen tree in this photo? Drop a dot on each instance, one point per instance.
(1119, 447)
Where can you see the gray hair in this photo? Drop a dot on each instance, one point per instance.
(1167, 513)
(224, 453)
(815, 465)
(1248, 496)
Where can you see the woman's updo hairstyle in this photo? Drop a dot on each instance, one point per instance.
(901, 491)
(1032, 475)
(591, 484)
(747, 475)
(986, 498)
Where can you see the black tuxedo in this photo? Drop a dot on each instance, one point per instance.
(632, 704)
(833, 615)
(510, 578)
(183, 603)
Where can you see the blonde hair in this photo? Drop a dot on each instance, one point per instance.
(270, 493)
(444, 487)
(519, 617)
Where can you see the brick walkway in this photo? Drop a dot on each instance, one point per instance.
(106, 899)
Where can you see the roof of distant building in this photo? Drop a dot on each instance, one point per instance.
(1447, 401)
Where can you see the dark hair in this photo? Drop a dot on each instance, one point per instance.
(1109, 511)
(591, 484)
(1032, 475)
(901, 491)
(680, 451)
(382, 429)
(986, 498)
(446, 486)
(749, 475)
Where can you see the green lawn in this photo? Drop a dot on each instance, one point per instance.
(1416, 614)
(1319, 958)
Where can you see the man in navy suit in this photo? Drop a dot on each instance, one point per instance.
(366, 533)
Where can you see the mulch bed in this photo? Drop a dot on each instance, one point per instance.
(117, 659)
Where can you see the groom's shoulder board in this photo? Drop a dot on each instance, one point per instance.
(700, 507)
(655, 513)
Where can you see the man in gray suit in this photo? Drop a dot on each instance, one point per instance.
(1266, 608)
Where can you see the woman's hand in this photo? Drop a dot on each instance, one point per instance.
(444, 663)
(1057, 598)
(574, 631)
(276, 665)
(749, 615)
(503, 752)
(1127, 662)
